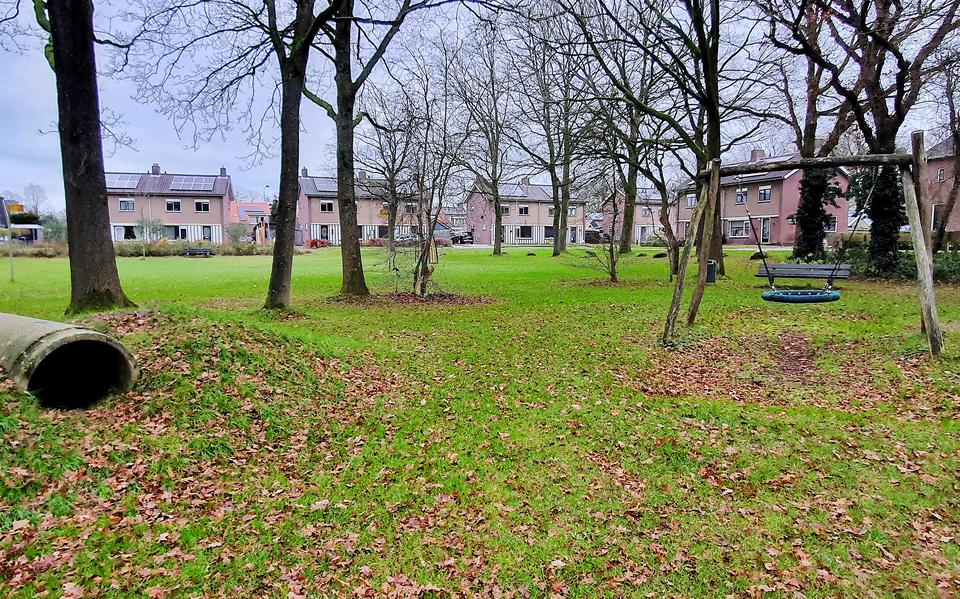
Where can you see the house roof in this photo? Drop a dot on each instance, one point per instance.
(646, 196)
(944, 149)
(168, 184)
(528, 192)
(240, 212)
(326, 187)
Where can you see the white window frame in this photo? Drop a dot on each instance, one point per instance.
(198, 203)
(326, 205)
(130, 201)
(746, 229)
(177, 202)
(410, 208)
(827, 228)
(572, 211)
(504, 210)
(746, 196)
(691, 200)
(520, 234)
(941, 175)
(769, 190)
(646, 212)
(523, 210)
(551, 211)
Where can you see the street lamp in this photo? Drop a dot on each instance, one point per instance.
(265, 193)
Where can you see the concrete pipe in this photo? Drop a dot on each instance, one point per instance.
(63, 365)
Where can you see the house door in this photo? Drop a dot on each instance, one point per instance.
(764, 230)
(573, 235)
(325, 232)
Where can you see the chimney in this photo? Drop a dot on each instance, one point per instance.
(757, 154)
(155, 169)
(362, 175)
(303, 172)
(223, 171)
(525, 181)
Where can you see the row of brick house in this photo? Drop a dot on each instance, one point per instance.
(199, 208)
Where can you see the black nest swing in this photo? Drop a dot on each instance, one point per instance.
(796, 296)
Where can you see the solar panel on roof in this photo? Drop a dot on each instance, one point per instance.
(122, 180)
(192, 183)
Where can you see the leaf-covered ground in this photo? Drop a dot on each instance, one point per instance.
(525, 437)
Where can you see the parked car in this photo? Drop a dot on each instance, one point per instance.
(461, 236)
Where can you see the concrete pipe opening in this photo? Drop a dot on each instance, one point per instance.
(80, 373)
(63, 365)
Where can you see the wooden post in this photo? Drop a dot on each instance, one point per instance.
(711, 209)
(674, 310)
(928, 300)
(919, 180)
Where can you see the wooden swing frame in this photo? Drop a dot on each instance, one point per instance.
(912, 170)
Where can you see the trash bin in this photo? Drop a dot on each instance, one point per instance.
(711, 271)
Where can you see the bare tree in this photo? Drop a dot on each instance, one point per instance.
(878, 63)
(206, 66)
(35, 198)
(551, 107)
(950, 87)
(94, 282)
(351, 38)
(483, 88)
(387, 149)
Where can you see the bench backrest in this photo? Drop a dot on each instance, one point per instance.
(806, 271)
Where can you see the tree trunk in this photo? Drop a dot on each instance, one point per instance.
(564, 214)
(497, 221)
(673, 247)
(285, 219)
(94, 282)
(629, 204)
(354, 283)
(557, 209)
(392, 226)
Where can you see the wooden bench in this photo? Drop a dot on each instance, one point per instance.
(804, 271)
(205, 252)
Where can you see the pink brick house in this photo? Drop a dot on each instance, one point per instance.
(771, 198)
(527, 215)
(646, 215)
(318, 210)
(940, 178)
(186, 207)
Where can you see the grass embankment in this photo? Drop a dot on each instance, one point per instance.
(537, 443)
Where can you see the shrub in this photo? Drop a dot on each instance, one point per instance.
(946, 266)
(318, 243)
(660, 255)
(758, 256)
(35, 250)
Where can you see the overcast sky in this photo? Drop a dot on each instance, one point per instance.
(30, 151)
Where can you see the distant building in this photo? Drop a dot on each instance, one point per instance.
(257, 216)
(527, 214)
(187, 207)
(771, 198)
(940, 180)
(646, 215)
(318, 210)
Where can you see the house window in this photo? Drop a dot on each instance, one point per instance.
(201, 206)
(411, 208)
(831, 226)
(526, 232)
(523, 210)
(739, 229)
(691, 200)
(505, 210)
(941, 175)
(686, 228)
(383, 231)
(207, 233)
(173, 206)
(792, 220)
(741, 196)
(764, 195)
(548, 232)
(937, 215)
(126, 205)
(386, 207)
(550, 211)
(326, 206)
(646, 212)
(572, 212)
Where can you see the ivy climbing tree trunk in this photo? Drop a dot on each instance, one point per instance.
(94, 282)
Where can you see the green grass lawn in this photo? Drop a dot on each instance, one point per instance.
(535, 442)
